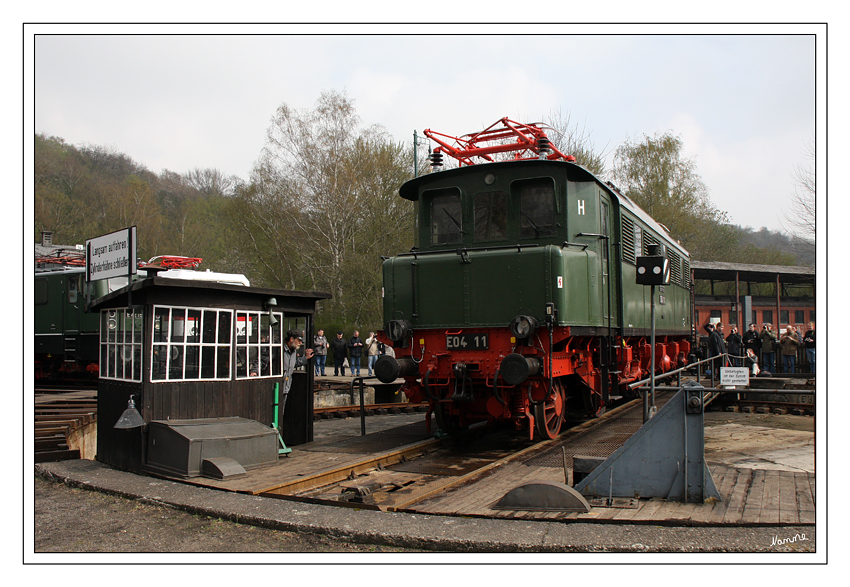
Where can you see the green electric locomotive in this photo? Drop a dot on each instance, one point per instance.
(519, 299)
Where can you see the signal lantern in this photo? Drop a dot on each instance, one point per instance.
(523, 326)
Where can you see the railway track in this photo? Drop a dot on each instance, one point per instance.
(397, 480)
(795, 402)
(44, 389)
(402, 479)
(347, 411)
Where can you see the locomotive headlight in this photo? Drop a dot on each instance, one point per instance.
(398, 330)
(523, 326)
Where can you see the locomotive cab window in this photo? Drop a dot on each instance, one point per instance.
(536, 208)
(491, 216)
(446, 217)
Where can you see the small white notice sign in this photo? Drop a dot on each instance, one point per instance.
(111, 255)
(734, 376)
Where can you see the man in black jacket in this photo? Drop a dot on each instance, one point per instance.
(809, 341)
(716, 346)
(355, 350)
(340, 350)
(751, 339)
(734, 343)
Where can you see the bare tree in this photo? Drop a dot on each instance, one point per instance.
(323, 205)
(210, 182)
(576, 142)
(800, 218)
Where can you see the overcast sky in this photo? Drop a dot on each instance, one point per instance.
(743, 104)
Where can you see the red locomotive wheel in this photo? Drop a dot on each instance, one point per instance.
(549, 415)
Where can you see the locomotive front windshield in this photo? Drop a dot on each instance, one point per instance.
(491, 216)
(537, 209)
(446, 217)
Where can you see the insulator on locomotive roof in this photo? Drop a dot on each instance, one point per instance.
(543, 144)
(436, 160)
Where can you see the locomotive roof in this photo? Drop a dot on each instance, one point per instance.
(575, 172)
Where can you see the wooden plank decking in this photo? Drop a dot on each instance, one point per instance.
(750, 497)
(65, 426)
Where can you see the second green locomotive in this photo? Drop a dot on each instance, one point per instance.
(518, 301)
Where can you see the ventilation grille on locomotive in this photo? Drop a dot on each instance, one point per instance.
(675, 267)
(628, 240)
(648, 240)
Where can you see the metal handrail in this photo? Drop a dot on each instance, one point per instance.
(689, 366)
(362, 404)
(643, 382)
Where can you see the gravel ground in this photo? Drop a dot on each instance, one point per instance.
(78, 520)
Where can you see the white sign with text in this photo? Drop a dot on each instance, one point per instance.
(734, 376)
(111, 255)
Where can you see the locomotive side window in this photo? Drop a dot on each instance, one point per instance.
(491, 216)
(40, 292)
(73, 288)
(537, 209)
(446, 217)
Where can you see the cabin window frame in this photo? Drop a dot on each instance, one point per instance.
(437, 222)
(550, 214)
(251, 351)
(117, 341)
(209, 339)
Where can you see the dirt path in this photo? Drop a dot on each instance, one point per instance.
(78, 520)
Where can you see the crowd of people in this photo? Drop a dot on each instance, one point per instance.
(347, 353)
(753, 348)
(760, 347)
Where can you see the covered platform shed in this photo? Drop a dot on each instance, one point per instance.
(188, 350)
(783, 294)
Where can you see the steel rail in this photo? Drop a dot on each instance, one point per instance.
(540, 447)
(345, 471)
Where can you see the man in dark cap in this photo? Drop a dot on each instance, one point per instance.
(340, 349)
(291, 360)
(717, 348)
